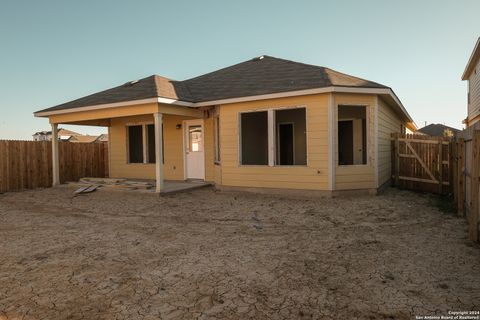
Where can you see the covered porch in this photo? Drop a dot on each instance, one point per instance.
(146, 140)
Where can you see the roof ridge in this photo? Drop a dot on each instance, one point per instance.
(296, 62)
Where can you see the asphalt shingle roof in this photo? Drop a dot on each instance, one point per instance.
(262, 75)
(437, 130)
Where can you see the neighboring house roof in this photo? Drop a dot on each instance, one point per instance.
(61, 132)
(472, 62)
(83, 139)
(102, 138)
(42, 133)
(437, 129)
(262, 75)
(65, 132)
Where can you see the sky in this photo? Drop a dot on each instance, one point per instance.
(56, 51)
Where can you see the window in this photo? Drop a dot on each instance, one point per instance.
(284, 129)
(141, 150)
(291, 140)
(254, 138)
(151, 143)
(352, 135)
(135, 144)
(217, 139)
(195, 138)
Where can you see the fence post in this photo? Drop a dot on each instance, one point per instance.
(440, 166)
(452, 168)
(397, 160)
(475, 185)
(460, 186)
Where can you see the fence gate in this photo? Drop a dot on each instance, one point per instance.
(422, 163)
(467, 186)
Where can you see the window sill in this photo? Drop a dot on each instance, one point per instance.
(352, 165)
(275, 166)
(139, 163)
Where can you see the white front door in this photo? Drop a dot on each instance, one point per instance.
(194, 153)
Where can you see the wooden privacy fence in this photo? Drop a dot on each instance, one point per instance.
(422, 163)
(28, 164)
(467, 187)
(444, 166)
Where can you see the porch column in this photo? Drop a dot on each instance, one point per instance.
(55, 162)
(158, 150)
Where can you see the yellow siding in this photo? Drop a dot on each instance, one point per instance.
(208, 136)
(173, 144)
(314, 176)
(474, 92)
(388, 122)
(356, 176)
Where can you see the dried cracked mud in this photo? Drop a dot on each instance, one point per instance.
(211, 255)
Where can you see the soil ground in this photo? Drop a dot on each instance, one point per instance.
(211, 255)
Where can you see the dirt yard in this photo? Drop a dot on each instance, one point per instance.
(210, 255)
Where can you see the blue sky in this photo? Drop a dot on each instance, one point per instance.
(55, 51)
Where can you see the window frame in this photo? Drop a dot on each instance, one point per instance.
(145, 142)
(272, 136)
(127, 137)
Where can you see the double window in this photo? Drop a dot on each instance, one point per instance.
(273, 137)
(141, 143)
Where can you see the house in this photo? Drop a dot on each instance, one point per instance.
(102, 138)
(83, 139)
(472, 75)
(265, 124)
(63, 134)
(438, 130)
(70, 136)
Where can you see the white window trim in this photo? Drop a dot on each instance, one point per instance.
(271, 136)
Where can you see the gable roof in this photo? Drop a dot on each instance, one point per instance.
(472, 62)
(437, 129)
(258, 76)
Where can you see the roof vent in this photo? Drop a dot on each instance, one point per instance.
(258, 58)
(131, 83)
